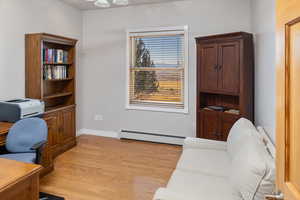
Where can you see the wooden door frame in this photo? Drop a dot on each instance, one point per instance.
(284, 21)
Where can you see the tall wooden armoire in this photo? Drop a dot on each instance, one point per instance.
(225, 83)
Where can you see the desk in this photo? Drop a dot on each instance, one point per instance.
(19, 181)
(4, 128)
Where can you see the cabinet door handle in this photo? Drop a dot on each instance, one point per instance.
(220, 67)
(216, 134)
(216, 67)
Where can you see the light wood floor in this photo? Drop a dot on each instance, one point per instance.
(110, 169)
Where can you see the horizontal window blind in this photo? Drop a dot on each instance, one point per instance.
(157, 69)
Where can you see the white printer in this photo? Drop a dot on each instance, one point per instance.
(14, 110)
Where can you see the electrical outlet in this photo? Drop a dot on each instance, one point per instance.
(98, 118)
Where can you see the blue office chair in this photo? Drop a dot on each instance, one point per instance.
(26, 140)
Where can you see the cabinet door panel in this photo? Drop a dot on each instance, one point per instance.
(227, 121)
(229, 67)
(68, 125)
(53, 129)
(208, 60)
(210, 125)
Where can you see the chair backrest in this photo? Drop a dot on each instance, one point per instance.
(26, 133)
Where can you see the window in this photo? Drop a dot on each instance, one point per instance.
(157, 69)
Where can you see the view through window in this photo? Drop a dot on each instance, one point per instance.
(157, 70)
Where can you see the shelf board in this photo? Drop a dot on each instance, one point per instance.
(64, 94)
(50, 109)
(223, 112)
(57, 80)
(218, 92)
(57, 63)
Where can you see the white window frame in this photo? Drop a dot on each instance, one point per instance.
(157, 31)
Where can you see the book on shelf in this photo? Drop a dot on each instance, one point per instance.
(222, 109)
(56, 72)
(233, 111)
(55, 56)
(214, 108)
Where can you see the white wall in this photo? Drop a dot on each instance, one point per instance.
(263, 25)
(102, 81)
(18, 17)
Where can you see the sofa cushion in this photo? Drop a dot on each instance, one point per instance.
(21, 157)
(206, 161)
(200, 186)
(249, 168)
(239, 133)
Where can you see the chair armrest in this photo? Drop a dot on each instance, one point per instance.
(38, 145)
(166, 194)
(39, 148)
(198, 143)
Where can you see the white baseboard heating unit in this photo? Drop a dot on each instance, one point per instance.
(151, 137)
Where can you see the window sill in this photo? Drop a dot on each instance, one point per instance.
(155, 109)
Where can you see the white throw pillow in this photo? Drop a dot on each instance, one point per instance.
(239, 133)
(249, 168)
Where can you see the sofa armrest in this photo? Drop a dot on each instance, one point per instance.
(198, 143)
(166, 194)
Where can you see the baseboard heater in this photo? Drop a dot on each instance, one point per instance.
(151, 137)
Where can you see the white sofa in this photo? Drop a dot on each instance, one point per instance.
(241, 168)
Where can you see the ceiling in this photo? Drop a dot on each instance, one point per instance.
(84, 5)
